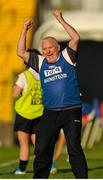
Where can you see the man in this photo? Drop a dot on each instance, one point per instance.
(61, 98)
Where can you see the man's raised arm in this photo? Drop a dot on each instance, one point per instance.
(75, 38)
(21, 48)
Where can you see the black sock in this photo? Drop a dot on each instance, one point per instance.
(23, 165)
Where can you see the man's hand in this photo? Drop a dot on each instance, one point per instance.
(58, 15)
(74, 36)
(28, 24)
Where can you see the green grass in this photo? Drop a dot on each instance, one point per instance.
(9, 155)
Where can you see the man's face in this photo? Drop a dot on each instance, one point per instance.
(50, 49)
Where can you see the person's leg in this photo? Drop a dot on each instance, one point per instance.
(33, 129)
(44, 147)
(23, 139)
(23, 129)
(72, 131)
(33, 138)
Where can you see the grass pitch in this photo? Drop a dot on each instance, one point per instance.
(9, 161)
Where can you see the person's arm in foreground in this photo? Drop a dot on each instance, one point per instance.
(21, 48)
(18, 87)
(17, 90)
(75, 38)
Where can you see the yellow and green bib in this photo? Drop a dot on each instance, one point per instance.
(29, 105)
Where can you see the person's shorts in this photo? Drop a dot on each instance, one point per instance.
(26, 125)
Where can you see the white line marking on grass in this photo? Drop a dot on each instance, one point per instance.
(12, 162)
(8, 163)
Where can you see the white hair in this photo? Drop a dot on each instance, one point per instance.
(50, 37)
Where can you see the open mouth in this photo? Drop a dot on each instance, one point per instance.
(50, 54)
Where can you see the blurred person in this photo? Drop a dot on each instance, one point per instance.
(101, 111)
(29, 108)
(86, 110)
(61, 99)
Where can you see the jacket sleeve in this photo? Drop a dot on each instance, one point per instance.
(33, 61)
